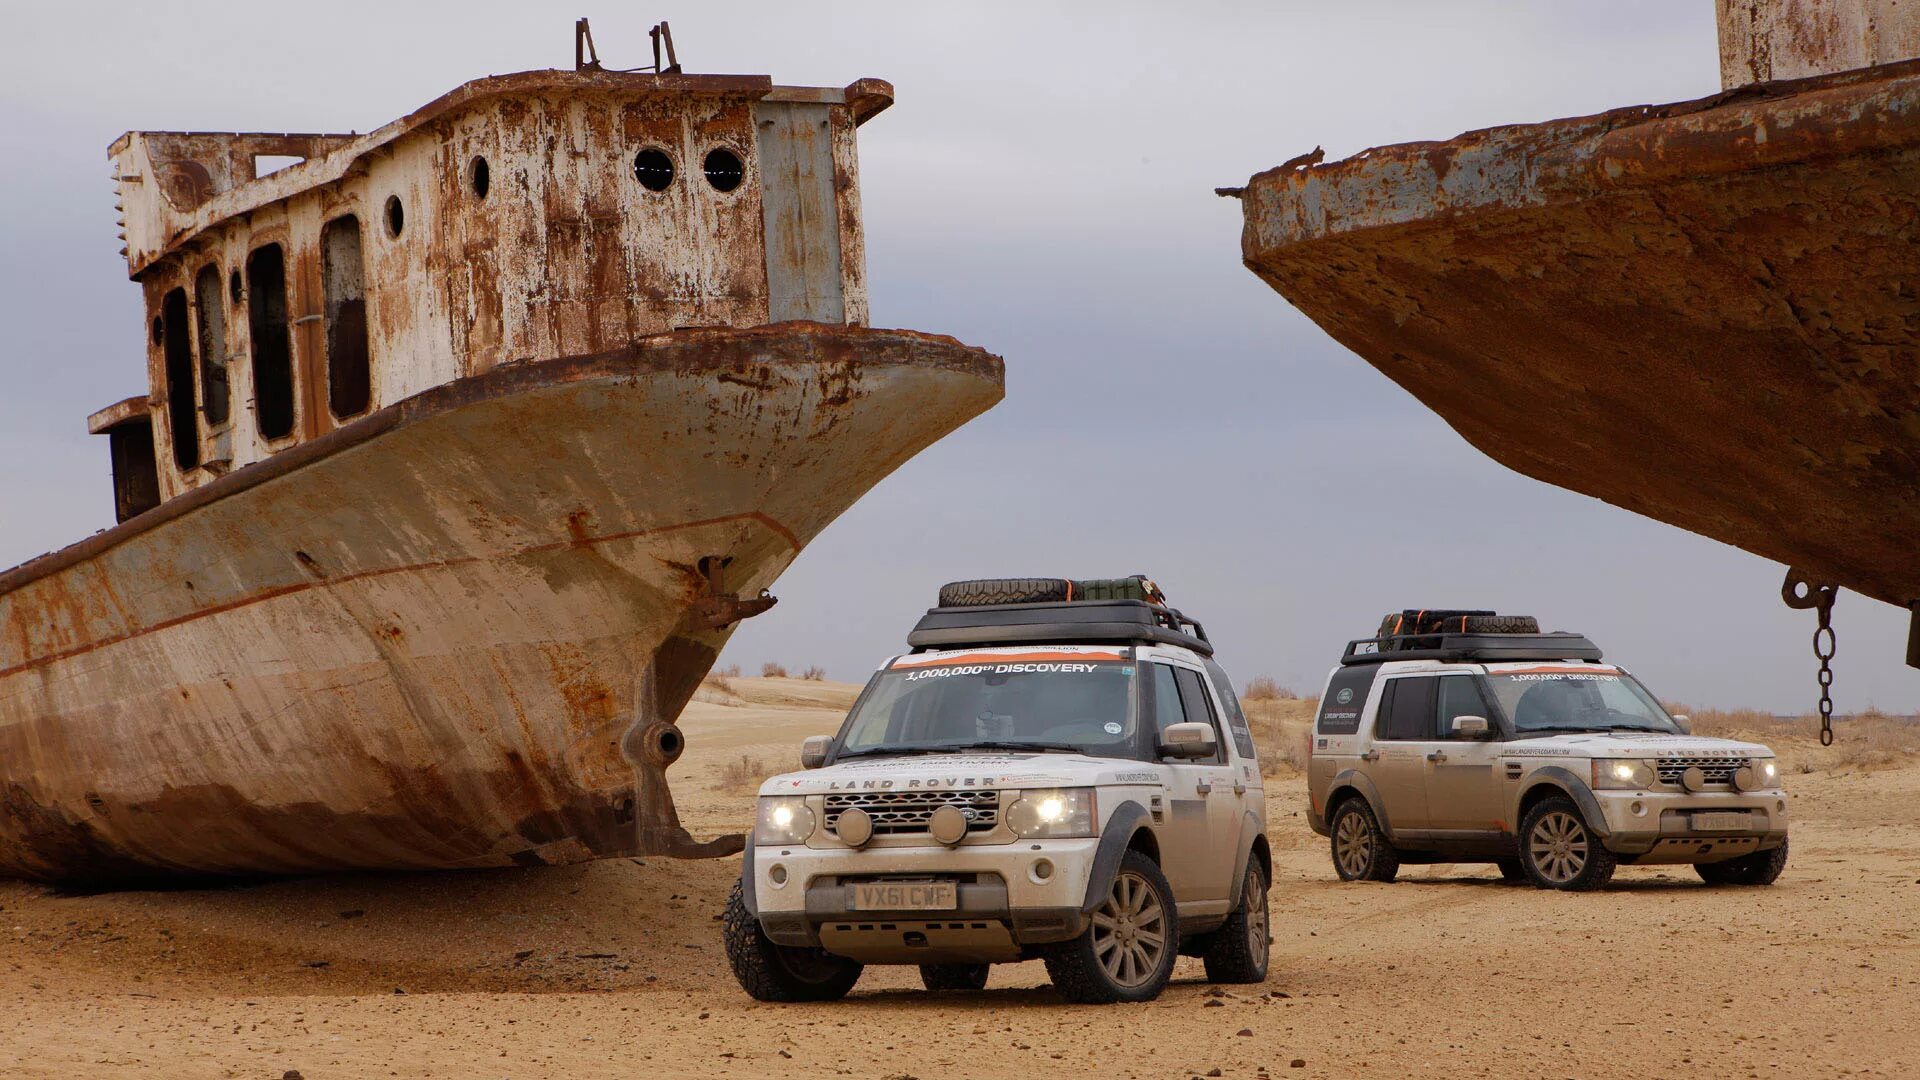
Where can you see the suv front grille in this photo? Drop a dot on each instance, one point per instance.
(908, 811)
(1718, 770)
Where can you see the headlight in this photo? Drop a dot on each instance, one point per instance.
(1622, 773)
(1063, 812)
(1763, 773)
(783, 820)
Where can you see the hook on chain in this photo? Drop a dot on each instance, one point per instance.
(1800, 592)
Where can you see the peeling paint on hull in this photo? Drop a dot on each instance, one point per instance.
(437, 637)
(1707, 313)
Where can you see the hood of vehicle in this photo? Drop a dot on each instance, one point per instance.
(1635, 744)
(943, 772)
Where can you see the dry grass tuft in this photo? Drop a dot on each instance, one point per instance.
(1282, 732)
(814, 674)
(771, 670)
(743, 774)
(731, 671)
(1267, 688)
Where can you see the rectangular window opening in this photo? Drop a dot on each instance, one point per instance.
(210, 307)
(349, 365)
(267, 164)
(272, 343)
(176, 344)
(136, 473)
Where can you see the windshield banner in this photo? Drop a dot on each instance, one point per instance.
(1071, 659)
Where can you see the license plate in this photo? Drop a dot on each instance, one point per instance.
(1722, 821)
(906, 896)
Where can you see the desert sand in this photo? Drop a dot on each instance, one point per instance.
(616, 969)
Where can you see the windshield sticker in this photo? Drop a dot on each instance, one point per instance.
(1561, 676)
(1603, 670)
(996, 656)
(1003, 669)
(1112, 727)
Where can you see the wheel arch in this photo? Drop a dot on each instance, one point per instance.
(1253, 845)
(1551, 781)
(1355, 784)
(1130, 828)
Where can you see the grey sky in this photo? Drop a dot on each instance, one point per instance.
(1043, 188)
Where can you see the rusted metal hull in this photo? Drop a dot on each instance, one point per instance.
(451, 634)
(1708, 313)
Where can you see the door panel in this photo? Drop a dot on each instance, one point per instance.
(1185, 854)
(1225, 790)
(1400, 772)
(1462, 790)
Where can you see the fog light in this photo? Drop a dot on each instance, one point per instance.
(948, 825)
(777, 874)
(1693, 779)
(1639, 809)
(854, 827)
(1042, 871)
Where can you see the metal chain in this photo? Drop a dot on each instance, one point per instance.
(1799, 591)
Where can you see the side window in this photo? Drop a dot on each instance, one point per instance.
(1193, 694)
(1407, 710)
(349, 368)
(210, 305)
(1459, 696)
(271, 341)
(1167, 710)
(1236, 717)
(183, 412)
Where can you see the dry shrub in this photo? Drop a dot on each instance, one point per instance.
(814, 674)
(731, 671)
(1286, 750)
(772, 670)
(743, 773)
(1267, 688)
(718, 682)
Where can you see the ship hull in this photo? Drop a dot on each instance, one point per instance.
(452, 634)
(1704, 312)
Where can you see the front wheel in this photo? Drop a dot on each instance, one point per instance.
(1128, 949)
(1237, 952)
(1759, 868)
(1360, 849)
(773, 972)
(1560, 851)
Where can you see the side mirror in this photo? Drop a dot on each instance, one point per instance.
(1188, 741)
(1683, 722)
(1472, 727)
(813, 752)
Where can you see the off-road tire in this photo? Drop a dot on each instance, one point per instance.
(1078, 973)
(1502, 624)
(983, 591)
(1584, 864)
(1237, 951)
(1382, 862)
(773, 972)
(1511, 869)
(938, 977)
(1759, 868)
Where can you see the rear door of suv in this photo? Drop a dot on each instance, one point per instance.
(1396, 759)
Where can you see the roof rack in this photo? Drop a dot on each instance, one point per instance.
(1493, 648)
(1075, 622)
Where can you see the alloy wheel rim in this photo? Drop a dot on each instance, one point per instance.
(1558, 847)
(1356, 844)
(1130, 931)
(1257, 911)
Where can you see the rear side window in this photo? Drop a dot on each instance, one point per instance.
(1406, 710)
(1236, 718)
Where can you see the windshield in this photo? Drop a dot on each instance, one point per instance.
(1572, 700)
(1005, 703)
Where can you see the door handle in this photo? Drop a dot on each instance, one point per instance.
(1437, 755)
(1239, 787)
(1203, 787)
(1371, 755)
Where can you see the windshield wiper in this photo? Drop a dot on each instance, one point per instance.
(876, 751)
(1016, 744)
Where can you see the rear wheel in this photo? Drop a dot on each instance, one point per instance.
(1360, 849)
(1129, 946)
(1559, 850)
(938, 977)
(773, 972)
(1759, 868)
(1237, 952)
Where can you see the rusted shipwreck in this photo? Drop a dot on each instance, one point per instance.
(1706, 312)
(468, 441)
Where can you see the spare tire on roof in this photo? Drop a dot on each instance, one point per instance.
(1454, 621)
(983, 591)
(1501, 624)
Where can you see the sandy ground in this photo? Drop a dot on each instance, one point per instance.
(616, 969)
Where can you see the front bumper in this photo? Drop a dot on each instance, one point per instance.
(1004, 902)
(1657, 826)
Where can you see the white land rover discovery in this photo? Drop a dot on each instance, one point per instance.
(1048, 775)
(1465, 736)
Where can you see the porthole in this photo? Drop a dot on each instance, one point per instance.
(396, 216)
(724, 170)
(159, 331)
(654, 169)
(479, 177)
(233, 286)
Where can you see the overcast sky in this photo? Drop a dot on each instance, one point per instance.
(1044, 189)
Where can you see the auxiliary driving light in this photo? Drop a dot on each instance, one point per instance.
(947, 824)
(854, 827)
